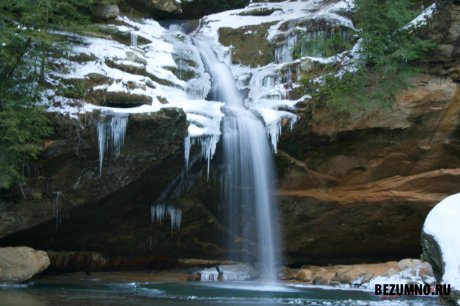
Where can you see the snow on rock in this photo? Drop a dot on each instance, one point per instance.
(282, 12)
(162, 68)
(150, 65)
(422, 19)
(269, 86)
(442, 224)
(410, 275)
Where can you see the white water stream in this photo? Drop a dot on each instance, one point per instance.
(249, 175)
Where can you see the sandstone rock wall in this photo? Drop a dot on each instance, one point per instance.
(358, 186)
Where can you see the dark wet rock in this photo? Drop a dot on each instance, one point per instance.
(249, 44)
(92, 205)
(106, 11)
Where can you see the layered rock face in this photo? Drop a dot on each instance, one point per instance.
(73, 189)
(186, 9)
(358, 186)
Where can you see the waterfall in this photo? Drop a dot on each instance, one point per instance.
(249, 176)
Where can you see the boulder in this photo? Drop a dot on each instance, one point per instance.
(19, 264)
(157, 8)
(441, 243)
(304, 275)
(106, 11)
(354, 274)
(169, 6)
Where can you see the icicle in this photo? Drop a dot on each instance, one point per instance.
(157, 212)
(118, 126)
(284, 53)
(56, 197)
(187, 145)
(102, 141)
(274, 131)
(112, 133)
(134, 37)
(208, 148)
(176, 217)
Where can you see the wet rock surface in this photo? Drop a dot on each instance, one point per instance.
(74, 193)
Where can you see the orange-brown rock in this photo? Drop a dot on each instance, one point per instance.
(358, 186)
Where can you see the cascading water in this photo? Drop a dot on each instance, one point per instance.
(249, 176)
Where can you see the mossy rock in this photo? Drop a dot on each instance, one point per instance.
(124, 99)
(184, 74)
(250, 44)
(134, 69)
(263, 11)
(83, 58)
(82, 88)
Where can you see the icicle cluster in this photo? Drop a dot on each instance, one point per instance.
(158, 213)
(111, 131)
(208, 146)
(284, 52)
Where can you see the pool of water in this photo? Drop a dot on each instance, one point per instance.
(93, 292)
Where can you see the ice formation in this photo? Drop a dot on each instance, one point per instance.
(56, 198)
(159, 211)
(180, 79)
(111, 131)
(269, 86)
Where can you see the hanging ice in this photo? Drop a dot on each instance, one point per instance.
(118, 126)
(284, 53)
(208, 148)
(158, 212)
(111, 130)
(187, 150)
(102, 141)
(175, 216)
(56, 197)
(134, 37)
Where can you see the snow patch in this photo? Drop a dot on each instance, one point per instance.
(422, 19)
(443, 224)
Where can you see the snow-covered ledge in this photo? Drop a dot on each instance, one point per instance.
(441, 243)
